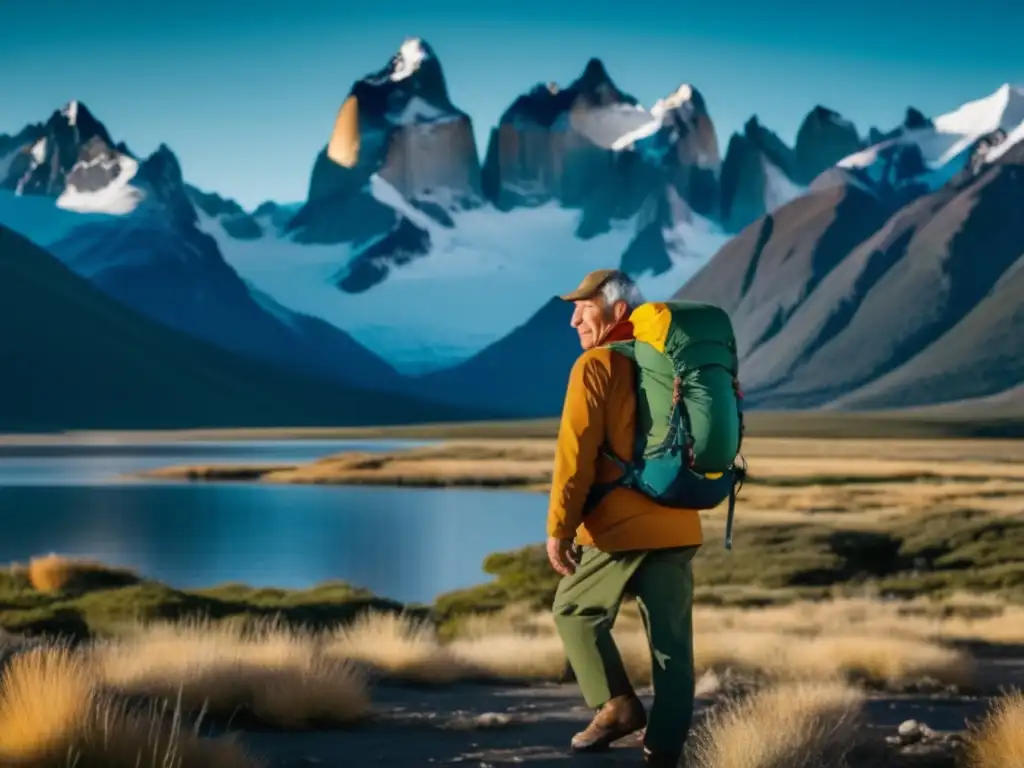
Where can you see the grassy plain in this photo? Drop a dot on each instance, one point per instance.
(861, 569)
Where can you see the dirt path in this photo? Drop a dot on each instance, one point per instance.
(450, 726)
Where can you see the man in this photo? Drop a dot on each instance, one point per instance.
(627, 543)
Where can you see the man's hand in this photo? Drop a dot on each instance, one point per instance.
(562, 555)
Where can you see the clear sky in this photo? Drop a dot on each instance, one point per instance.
(245, 92)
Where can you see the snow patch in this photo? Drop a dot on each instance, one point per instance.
(482, 278)
(117, 198)
(385, 193)
(682, 96)
(643, 124)
(779, 189)
(953, 134)
(691, 244)
(70, 112)
(410, 55)
(1013, 137)
(615, 126)
(38, 151)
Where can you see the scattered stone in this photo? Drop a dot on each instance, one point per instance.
(485, 720)
(708, 685)
(909, 732)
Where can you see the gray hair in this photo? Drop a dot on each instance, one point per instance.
(620, 287)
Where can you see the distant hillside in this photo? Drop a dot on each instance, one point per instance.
(842, 300)
(76, 359)
(525, 371)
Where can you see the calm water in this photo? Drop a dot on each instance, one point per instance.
(406, 543)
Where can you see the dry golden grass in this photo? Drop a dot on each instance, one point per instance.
(803, 642)
(396, 647)
(55, 573)
(516, 464)
(276, 676)
(53, 715)
(878, 660)
(511, 657)
(998, 742)
(400, 648)
(792, 725)
(984, 618)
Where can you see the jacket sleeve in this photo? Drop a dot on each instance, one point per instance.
(580, 436)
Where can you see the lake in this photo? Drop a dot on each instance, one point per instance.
(409, 544)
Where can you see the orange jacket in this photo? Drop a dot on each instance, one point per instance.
(600, 406)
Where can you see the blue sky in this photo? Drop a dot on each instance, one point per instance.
(246, 93)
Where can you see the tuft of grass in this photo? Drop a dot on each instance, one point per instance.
(397, 647)
(55, 573)
(875, 660)
(998, 742)
(267, 674)
(404, 649)
(791, 725)
(511, 657)
(52, 714)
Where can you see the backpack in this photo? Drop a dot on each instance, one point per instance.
(689, 420)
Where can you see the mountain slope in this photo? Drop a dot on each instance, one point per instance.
(921, 309)
(524, 372)
(763, 274)
(132, 231)
(928, 153)
(976, 358)
(76, 359)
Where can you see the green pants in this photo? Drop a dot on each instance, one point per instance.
(586, 606)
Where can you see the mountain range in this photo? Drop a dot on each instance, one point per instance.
(862, 270)
(78, 359)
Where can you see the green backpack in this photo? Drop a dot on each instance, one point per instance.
(689, 421)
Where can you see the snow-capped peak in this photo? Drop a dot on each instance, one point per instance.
(641, 123)
(682, 95)
(410, 56)
(70, 112)
(951, 136)
(1003, 108)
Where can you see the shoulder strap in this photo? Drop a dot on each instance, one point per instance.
(626, 348)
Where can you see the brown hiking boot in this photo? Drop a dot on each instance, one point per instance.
(618, 718)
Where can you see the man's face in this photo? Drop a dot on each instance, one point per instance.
(592, 321)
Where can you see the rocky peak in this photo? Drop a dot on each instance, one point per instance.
(769, 144)
(162, 176)
(77, 123)
(71, 147)
(596, 88)
(823, 139)
(414, 71)
(915, 120)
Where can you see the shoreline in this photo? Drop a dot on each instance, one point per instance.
(525, 464)
(936, 423)
(514, 465)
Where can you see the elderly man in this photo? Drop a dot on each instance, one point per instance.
(626, 544)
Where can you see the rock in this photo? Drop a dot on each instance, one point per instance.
(481, 721)
(910, 732)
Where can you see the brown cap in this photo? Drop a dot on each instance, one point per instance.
(591, 284)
